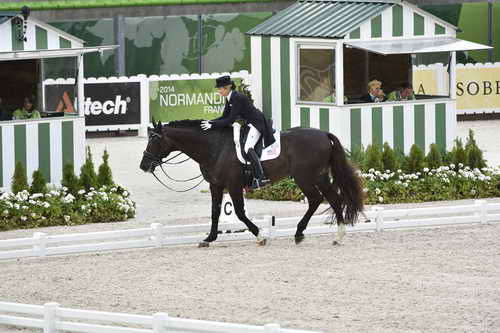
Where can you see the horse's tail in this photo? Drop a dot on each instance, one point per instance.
(347, 179)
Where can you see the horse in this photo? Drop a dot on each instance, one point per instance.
(315, 159)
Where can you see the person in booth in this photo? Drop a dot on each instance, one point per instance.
(27, 111)
(375, 93)
(238, 106)
(403, 93)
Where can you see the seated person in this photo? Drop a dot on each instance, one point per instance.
(4, 114)
(27, 111)
(404, 93)
(375, 93)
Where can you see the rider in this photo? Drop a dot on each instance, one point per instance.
(239, 106)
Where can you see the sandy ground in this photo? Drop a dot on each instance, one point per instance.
(432, 280)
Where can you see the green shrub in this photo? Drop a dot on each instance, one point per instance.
(458, 155)
(70, 180)
(474, 154)
(389, 158)
(433, 158)
(357, 156)
(105, 176)
(373, 158)
(88, 177)
(415, 161)
(19, 179)
(38, 184)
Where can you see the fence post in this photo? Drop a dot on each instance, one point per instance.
(482, 208)
(379, 219)
(159, 321)
(40, 248)
(269, 220)
(50, 317)
(157, 234)
(272, 328)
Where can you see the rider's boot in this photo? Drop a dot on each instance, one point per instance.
(259, 179)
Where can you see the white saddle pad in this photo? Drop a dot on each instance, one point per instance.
(269, 153)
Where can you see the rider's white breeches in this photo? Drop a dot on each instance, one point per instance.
(253, 137)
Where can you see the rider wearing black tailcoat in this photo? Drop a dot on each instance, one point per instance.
(238, 106)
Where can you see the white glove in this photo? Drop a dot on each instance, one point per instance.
(205, 125)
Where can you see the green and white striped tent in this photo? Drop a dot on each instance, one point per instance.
(382, 27)
(49, 143)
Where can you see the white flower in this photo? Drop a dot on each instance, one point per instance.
(81, 192)
(426, 169)
(33, 215)
(65, 189)
(380, 199)
(125, 193)
(67, 218)
(16, 206)
(473, 192)
(23, 218)
(452, 166)
(46, 205)
(92, 189)
(5, 212)
(377, 191)
(460, 165)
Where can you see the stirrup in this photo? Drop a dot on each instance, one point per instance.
(256, 183)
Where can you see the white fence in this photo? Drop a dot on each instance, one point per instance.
(52, 318)
(159, 235)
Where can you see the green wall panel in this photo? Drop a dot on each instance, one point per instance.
(67, 143)
(441, 126)
(305, 120)
(17, 44)
(377, 130)
(324, 119)
(419, 121)
(355, 34)
(355, 128)
(44, 150)
(41, 38)
(399, 130)
(376, 24)
(397, 21)
(266, 76)
(285, 83)
(20, 144)
(418, 25)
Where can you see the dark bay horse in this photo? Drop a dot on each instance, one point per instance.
(313, 158)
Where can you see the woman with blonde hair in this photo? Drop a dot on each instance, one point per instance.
(375, 93)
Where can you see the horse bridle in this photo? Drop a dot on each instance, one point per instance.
(156, 161)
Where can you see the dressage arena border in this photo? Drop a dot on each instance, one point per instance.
(158, 235)
(54, 320)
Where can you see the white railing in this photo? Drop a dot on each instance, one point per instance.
(158, 235)
(52, 318)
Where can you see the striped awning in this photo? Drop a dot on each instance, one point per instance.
(320, 18)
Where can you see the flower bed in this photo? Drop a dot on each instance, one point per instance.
(59, 207)
(444, 183)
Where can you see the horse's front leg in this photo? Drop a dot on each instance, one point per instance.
(236, 194)
(216, 192)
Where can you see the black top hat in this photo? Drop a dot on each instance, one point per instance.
(223, 81)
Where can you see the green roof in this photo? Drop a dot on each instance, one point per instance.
(320, 18)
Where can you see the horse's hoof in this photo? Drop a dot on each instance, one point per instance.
(203, 244)
(299, 239)
(336, 243)
(261, 241)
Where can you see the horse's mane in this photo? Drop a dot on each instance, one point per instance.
(184, 123)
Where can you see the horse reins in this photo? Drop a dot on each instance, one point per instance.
(159, 162)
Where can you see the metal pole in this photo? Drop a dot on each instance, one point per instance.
(490, 30)
(200, 44)
(119, 29)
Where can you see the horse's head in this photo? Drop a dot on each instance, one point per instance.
(159, 146)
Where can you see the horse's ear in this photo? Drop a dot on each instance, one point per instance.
(159, 125)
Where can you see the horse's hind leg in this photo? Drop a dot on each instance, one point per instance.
(239, 208)
(335, 200)
(314, 199)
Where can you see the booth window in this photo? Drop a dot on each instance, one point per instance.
(393, 70)
(316, 73)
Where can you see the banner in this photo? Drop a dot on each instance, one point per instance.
(478, 88)
(185, 99)
(105, 103)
